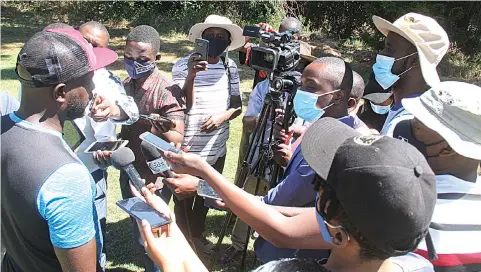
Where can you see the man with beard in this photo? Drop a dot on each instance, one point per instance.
(49, 222)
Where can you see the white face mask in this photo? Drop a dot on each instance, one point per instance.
(382, 70)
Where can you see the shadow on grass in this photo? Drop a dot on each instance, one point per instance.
(8, 74)
(214, 224)
(119, 245)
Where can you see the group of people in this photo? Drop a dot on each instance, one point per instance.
(388, 185)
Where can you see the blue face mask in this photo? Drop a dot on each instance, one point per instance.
(326, 235)
(137, 69)
(382, 70)
(381, 110)
(305, 105)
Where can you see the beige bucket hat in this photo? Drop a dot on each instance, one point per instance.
(426, 34)
(236, 37)
(453, 110)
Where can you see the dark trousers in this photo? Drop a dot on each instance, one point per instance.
(193, 208)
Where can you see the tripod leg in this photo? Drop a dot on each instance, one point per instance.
(248, 236)
(219, 241)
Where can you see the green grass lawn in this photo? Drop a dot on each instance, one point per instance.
(121, 255)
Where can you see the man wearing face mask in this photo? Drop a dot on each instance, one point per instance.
(377, 103)
(213, 99)
(49, 222)
(155, 95)
(414, 46)
(249, 121)
(447, 129)
(370, 236)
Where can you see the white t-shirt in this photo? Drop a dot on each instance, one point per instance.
(111, 87)
(8, 104)
(212, 97)
(456, 225)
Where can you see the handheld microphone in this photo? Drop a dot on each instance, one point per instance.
(123, 159)
(156, 163)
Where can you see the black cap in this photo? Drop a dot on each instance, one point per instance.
(374, 92)
(385, 185)
(58, 55)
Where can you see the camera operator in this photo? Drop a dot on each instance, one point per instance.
(374, 235)
(447, 129)
(288, 24)
(325, 91)
(249, 121)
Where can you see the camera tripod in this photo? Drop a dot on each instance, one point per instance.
(257, 167)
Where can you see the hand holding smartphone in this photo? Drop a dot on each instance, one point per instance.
(205, 190)
(106, 146)
(202, 49)
(140, 210)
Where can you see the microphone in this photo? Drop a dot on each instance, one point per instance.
(123, 159)
(156, 163)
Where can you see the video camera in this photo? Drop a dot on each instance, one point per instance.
(279, 53)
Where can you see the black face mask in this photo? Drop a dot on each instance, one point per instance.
(403, 131)
(216, 46)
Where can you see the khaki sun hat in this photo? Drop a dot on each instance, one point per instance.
(426, 34)
(236, 37)
(453, 110)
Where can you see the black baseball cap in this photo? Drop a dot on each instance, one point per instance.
(385, 185)
(58, 55)
(374, 92)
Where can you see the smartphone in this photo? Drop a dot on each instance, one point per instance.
(201, 48)
(106, 146)
(93, 103)
(140, 210)
(204, 190)
(158, 142)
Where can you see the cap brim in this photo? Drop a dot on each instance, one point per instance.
(458, 142)
(377, 98)
(104, 57)
(237, 39)
(321, 141)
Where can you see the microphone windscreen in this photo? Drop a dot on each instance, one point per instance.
(149, 151)
(122, 157)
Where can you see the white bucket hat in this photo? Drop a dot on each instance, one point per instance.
(236, 37)
(426, 34)
(453, 110)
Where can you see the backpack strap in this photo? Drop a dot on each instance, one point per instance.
(226, 66)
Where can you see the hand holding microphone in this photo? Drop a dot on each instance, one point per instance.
(123, 159)
(182, 186)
